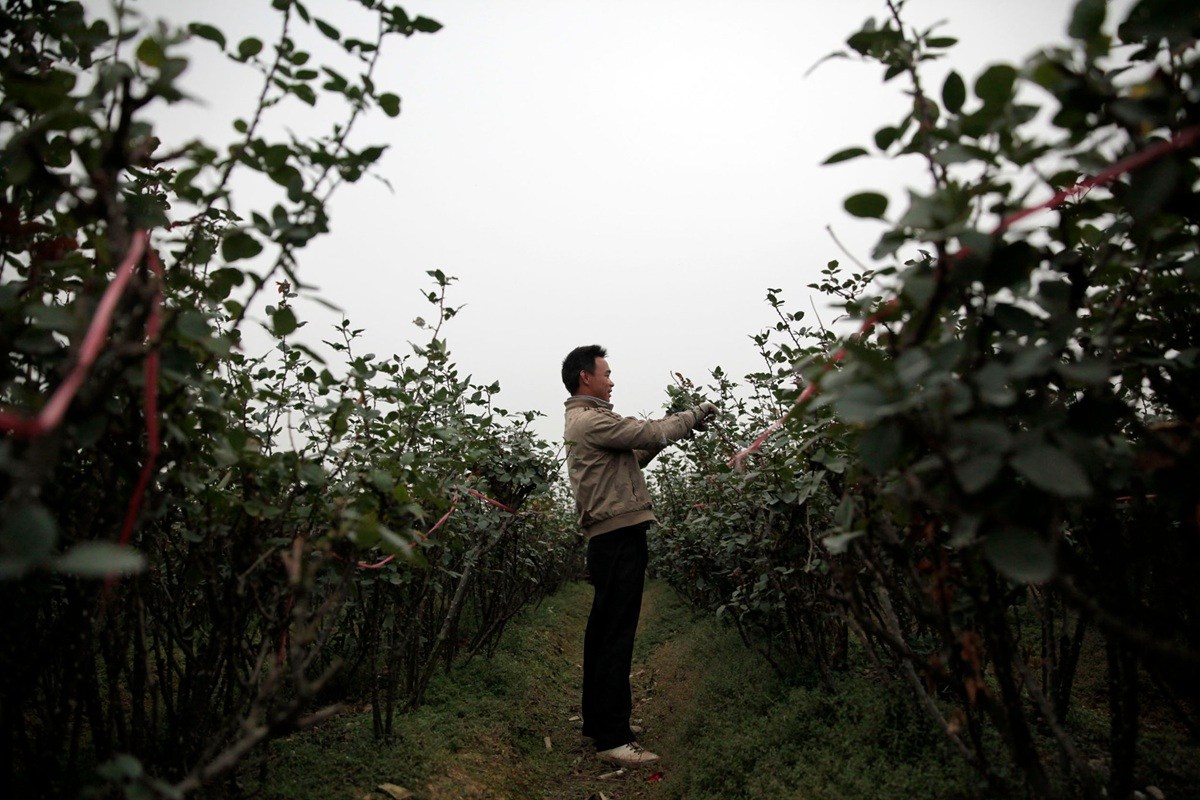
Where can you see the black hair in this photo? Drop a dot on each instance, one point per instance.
(578, 360)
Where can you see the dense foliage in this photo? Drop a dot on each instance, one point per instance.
(192, 551)
(202, 547)
(1000, 464)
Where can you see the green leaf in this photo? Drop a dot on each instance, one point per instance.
(100, 559)
(1052, 470)
(239, 245)
(879, 447)
(286, 176)
(954, 92)
(991, 381)
(218, 345)
(839, 543)
(123, 766)
(1015, 319)
(860, 403)
(207, 32)
(1136, 113)
(977, 471)
(965, 530)
(1054, 296)
(390, 104)
(150, 53)
(889, 243)
(305, 93)
(1020, 554)
(192, 325)
(912, 365)
(29, 532)
(284, 322)
(222, 281)
(249, 47)
(941, 41)
(1086, 371)
(311, 473)
(1151, 187)
(886, 136)
(426, 25)
(845, 155)
(1032, 361)
(1011, 265)
(53, 318)
(925, 212)
(954, 153)
(983, 436)
(867, 204)
(1152, 20)
(995, 85)
(1087, 19)
(327, 29)
(394, 544)
(146, 210)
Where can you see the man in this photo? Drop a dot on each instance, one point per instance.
(605, 456)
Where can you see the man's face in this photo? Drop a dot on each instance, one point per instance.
(597, 383)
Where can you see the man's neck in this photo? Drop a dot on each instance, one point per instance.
(592, 399)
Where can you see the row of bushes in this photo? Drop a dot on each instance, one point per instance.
(310, 530)
(993, 477)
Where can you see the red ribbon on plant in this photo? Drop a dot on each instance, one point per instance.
(810, 390)
(487, 499)
(389, 559)
(55, 409)
(150, 395)
(1183, 139)
(52, 413)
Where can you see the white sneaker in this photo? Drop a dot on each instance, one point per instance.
(628, 755)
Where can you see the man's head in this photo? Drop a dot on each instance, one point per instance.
(585, 372)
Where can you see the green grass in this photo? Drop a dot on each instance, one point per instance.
(480, 732)
(725, 724)
(744, 733)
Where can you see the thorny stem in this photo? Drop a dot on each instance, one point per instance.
(921, 103)
(237, 150)
(358, 107)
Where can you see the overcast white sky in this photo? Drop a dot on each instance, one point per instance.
(633, 173)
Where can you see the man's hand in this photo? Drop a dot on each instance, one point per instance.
(704, 412)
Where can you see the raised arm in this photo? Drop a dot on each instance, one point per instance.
(649, 436)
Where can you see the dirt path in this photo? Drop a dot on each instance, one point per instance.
(659, 685)
(508, 727)
(566, 768)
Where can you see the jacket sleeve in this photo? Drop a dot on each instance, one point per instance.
(645, 455)
(615, 432)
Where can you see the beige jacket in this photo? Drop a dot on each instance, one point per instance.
(605, 456)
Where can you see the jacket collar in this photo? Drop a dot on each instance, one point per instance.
(586, 401)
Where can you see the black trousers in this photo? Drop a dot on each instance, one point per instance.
(616, 563)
